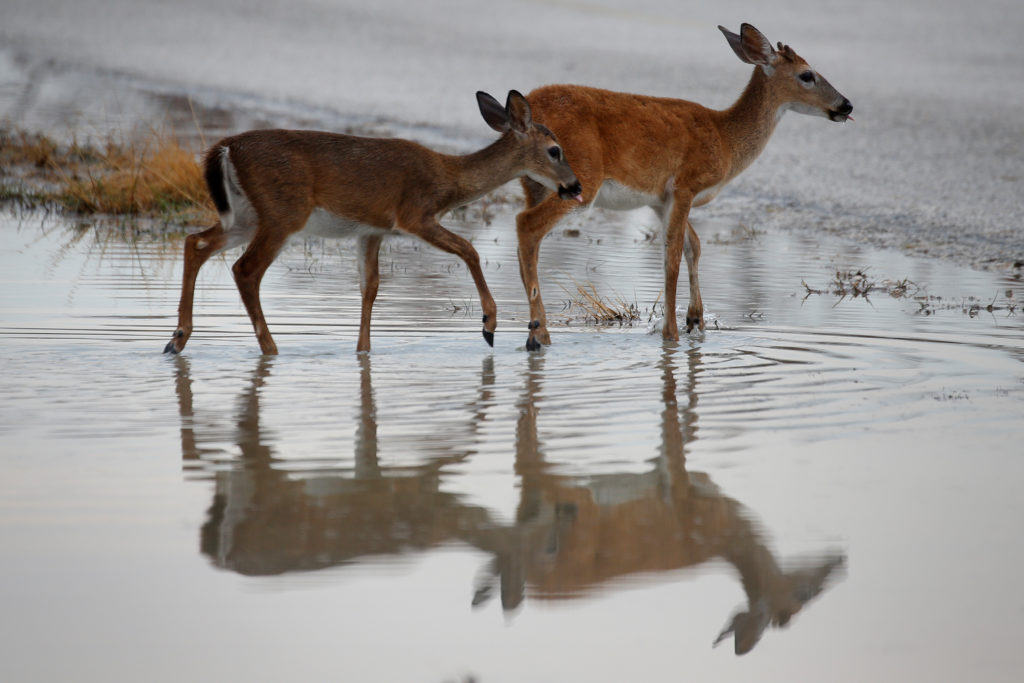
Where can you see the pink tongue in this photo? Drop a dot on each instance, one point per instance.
(579, 198)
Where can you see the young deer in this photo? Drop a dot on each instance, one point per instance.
(270, 184)
(631, 151)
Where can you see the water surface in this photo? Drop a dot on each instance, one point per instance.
(828, 485)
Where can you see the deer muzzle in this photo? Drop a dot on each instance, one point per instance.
(574, 191)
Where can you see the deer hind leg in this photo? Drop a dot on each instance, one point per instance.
(691, 250)
(369, 281)
(250, 268)
(199, 248)
(531, 227)
(434, 233)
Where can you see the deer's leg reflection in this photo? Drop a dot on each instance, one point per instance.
(366, 466)
(535, 536)
(183, 390)
(240, 491)
(255, 453)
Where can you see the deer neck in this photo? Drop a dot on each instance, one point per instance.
(748, 123)
(476, 174)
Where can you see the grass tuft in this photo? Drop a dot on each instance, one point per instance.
(600, 311)
(153, 176)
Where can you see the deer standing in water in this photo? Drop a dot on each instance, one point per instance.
(268, 185)
(631, 150)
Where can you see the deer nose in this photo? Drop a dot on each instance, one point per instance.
(845, 108)
(570, 191)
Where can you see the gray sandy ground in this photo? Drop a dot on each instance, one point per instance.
(933, 163)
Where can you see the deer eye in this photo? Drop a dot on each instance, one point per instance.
(555, 153)
(807, 77)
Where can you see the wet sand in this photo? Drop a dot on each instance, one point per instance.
(605, 510)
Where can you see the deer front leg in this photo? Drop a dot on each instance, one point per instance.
(691, 250)
(369, 281)
(675, 236)
(673, 254)
(198, 249)
(434, 233)
(531, 227)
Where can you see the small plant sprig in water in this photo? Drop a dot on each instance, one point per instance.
(601, 311)
(971, 306)
(858, 284)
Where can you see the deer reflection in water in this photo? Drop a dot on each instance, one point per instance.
(571, 535)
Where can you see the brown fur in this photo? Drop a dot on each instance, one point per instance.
(387, 184)
(669, 149)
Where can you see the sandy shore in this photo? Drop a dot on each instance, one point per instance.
(932, 165)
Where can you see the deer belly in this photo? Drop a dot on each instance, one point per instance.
(323, 223)
(618, 197)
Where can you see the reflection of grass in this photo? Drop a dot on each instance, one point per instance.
(971, 306)
(739, 233)
(153, 176)
(858, 284)
(850, 283)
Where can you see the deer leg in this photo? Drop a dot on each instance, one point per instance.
(436, 234)
(199, 248)
(675, 236)
(369, 280)
(531, 227)
(249, 270)
(691, 250)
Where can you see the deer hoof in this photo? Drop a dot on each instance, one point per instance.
(488, 337)
(532, 343)
(172, 346)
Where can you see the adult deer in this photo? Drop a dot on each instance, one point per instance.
(630, 151)
(270, 184)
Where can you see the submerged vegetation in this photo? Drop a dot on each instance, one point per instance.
(857, 283)
(152, 176)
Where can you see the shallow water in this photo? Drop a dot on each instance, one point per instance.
(440, 510)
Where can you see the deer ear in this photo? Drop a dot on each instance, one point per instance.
(519, 115)
(494, 114)
(756, 47)
(735, 42)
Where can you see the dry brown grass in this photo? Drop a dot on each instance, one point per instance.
(600, 310)
(18, 148)
(152, 176)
